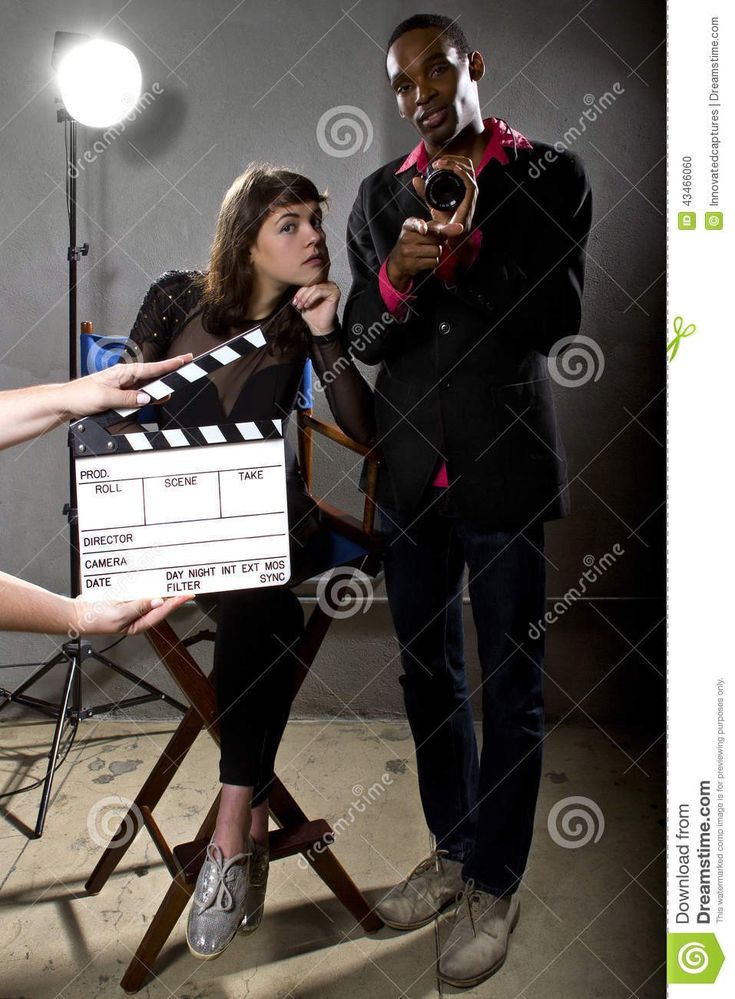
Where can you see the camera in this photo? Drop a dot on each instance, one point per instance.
(444, 189)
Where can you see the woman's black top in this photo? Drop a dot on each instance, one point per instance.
(262, 385)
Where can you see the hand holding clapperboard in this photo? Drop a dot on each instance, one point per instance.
(192, 510)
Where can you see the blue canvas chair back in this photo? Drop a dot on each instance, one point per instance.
(98, 352)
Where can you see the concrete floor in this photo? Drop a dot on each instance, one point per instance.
(592, 918)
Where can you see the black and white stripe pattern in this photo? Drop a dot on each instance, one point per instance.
(230, 433)
(202, 366)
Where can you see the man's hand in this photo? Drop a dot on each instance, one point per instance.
(418, 249)
(116, 387)
(317, 304)
(129, 617)
(465, 210)
(457, 243)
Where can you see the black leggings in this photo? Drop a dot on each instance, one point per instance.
(255, 669)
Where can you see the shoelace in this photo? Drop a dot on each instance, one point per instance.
(426, 864)
(222, 896)
(466, 899)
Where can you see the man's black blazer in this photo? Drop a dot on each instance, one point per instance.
(465, 377)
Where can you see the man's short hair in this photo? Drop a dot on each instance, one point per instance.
(449, 26)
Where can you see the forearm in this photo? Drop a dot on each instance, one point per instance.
(348, 394)
(26, 607)
(29, 412)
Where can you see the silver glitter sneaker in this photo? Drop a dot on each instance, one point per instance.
(255, 896)
(431, 886)
(218, 904)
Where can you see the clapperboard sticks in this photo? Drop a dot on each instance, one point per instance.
(89, 436)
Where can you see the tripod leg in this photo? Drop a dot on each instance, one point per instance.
(139, 681)
(71, 678)
(11, 695)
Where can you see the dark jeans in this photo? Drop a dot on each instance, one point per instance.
(255, 670)
(480, 810)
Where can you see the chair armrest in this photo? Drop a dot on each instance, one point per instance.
(350, 527)
(307, 425)
(328, 428)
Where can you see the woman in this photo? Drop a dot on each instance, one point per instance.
(269, 269)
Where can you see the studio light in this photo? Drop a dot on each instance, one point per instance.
(99, 81)
(99, 84)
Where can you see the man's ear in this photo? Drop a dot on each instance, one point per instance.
(476, 66)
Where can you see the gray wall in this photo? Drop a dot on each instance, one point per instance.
(252, 83)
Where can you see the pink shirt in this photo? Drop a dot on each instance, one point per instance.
(397, 302)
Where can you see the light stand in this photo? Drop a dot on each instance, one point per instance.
(69, 711)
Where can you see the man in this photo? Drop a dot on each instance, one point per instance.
(460, 309)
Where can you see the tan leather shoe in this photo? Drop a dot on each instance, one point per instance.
(431, 886)
(478, 943)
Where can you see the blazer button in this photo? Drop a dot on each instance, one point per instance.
(444, 327)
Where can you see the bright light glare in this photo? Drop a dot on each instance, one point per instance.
(100, 82)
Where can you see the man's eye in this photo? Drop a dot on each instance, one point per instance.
(402, 88)
(438, 69)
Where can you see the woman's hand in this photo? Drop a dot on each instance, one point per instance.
(317, 304)
(116, 387)
(124, 617)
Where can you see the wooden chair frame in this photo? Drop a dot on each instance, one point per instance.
(295, 833)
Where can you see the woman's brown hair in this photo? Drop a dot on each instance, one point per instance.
(227, 285)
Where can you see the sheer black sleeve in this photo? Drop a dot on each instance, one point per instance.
(348, 394)
(168, 302)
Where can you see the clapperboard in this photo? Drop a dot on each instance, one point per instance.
(190, 510)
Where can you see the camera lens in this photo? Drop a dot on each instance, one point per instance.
(444, 189)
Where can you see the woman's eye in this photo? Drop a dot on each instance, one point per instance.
(288, 227)
(317, 223)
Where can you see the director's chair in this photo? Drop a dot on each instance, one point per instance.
(350, 545)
